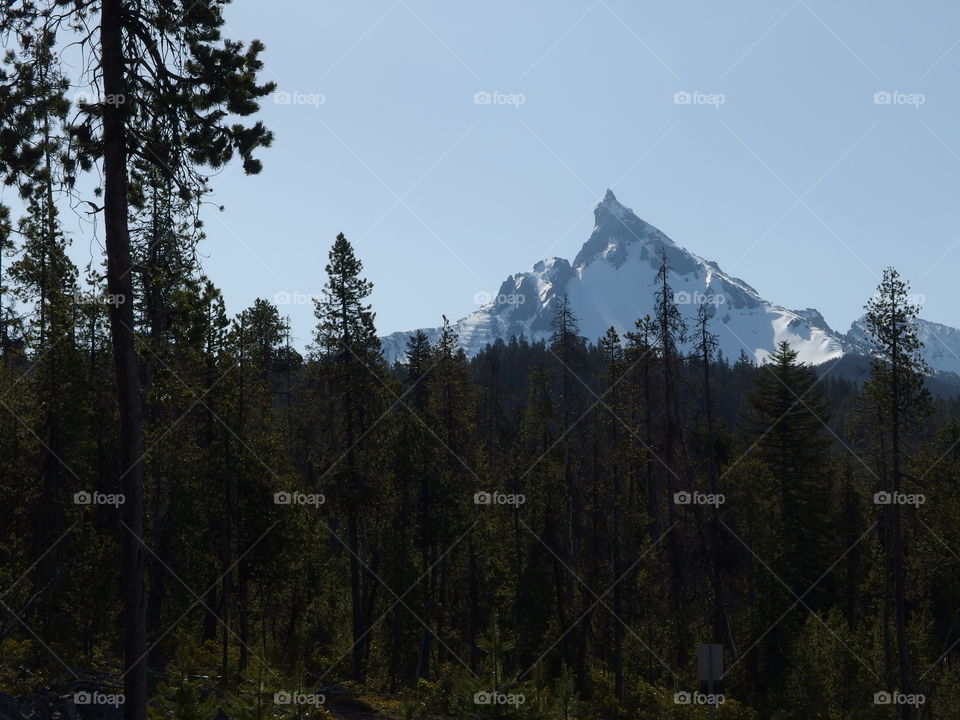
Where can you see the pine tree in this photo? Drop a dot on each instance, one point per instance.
(173, 110)
(785, 439)
(894, 403)
(418, 364)
(256, 345)
(347, 353)
(785, 428)
(8, 316)
(411, 457)
(537, 466)
(705, 346)
(612, 440)
(568, 348)
(639, 354)
(671, 332)
(164, 235)
(45, 280)
(450, 413)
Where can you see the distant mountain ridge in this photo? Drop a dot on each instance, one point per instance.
(611, 283)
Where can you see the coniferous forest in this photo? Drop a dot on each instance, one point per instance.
(201, 520)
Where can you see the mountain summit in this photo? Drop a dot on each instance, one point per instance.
(612, 282)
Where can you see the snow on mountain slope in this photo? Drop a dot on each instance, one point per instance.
(941, 344)
(611, 283)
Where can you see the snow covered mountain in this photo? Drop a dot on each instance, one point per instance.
(611, 282)
(941, 344)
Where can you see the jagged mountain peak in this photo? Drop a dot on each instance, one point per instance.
(612, 282)
(616, 228)
(610, 206)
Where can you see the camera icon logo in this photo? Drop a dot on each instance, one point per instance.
(682, 698)
(682, 498)
(82, 498)
(282, 498)
(482, 498)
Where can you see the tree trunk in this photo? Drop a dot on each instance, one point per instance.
(903, 651)
(120, 285)
(353, 533)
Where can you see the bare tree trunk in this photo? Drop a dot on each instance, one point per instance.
(120, 285)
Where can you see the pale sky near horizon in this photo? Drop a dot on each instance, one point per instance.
(786, 168)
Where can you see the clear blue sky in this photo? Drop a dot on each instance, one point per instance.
(800, 183)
